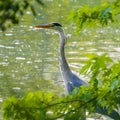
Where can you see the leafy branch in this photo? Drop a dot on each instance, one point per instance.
(101, 15)
(11, 11)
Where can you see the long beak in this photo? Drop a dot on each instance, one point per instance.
(44, 26)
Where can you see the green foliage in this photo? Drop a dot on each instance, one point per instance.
(103, 90)
(31, 107)
(95, 16)
(105, 78)
(12, 10)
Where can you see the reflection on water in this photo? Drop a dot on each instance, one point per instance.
(29, 59)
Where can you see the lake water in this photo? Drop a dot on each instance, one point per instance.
(29, 59)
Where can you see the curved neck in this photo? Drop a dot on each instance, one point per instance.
(63, 62)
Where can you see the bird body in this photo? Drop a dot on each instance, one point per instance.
(71, 80)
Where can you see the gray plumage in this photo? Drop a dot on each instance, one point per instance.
(71, 80)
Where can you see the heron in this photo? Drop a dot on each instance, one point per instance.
(70, 79)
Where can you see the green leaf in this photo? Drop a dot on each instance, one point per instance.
(114, 85)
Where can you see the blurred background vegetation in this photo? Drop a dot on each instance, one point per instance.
(11, 11)
(103, 13)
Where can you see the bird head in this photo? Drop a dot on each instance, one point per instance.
(56, 26)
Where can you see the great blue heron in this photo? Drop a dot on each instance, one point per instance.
(70, 79)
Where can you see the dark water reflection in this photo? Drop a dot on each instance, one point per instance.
(29, 59)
